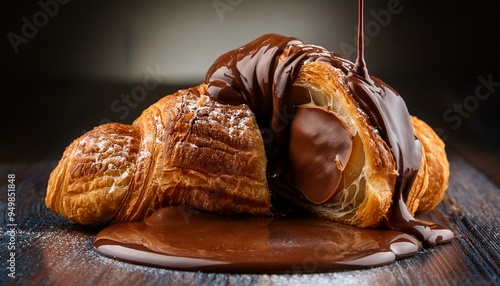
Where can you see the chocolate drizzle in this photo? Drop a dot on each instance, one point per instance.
(238, 77)
(387, 111)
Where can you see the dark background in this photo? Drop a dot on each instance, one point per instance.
(77, 67)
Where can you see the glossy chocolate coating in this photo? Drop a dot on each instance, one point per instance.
(238, 74)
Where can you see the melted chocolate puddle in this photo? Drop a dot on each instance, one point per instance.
(186, 239)
(261, 74)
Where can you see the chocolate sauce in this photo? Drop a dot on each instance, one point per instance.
(387, 111)
(186, 239)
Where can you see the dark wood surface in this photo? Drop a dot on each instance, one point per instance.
(52, 251)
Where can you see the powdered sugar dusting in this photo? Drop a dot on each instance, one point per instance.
(238, 120)
(105, 153)
(144, 152)
(104, 145)
(118, 180)
(160, 129)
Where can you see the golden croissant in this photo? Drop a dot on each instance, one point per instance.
(191, 149)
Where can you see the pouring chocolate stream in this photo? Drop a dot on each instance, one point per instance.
(258, 75)
(389, 114)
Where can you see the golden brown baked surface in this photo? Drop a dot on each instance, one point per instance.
(184, 149)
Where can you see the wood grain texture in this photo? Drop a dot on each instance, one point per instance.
(52, 251)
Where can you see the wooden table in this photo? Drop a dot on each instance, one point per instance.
(51, 251)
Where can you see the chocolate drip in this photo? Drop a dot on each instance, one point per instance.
(261, 75)
(387, 111)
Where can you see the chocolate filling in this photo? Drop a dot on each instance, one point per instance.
(319, 150)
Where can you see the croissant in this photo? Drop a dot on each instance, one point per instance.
(216, 148)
